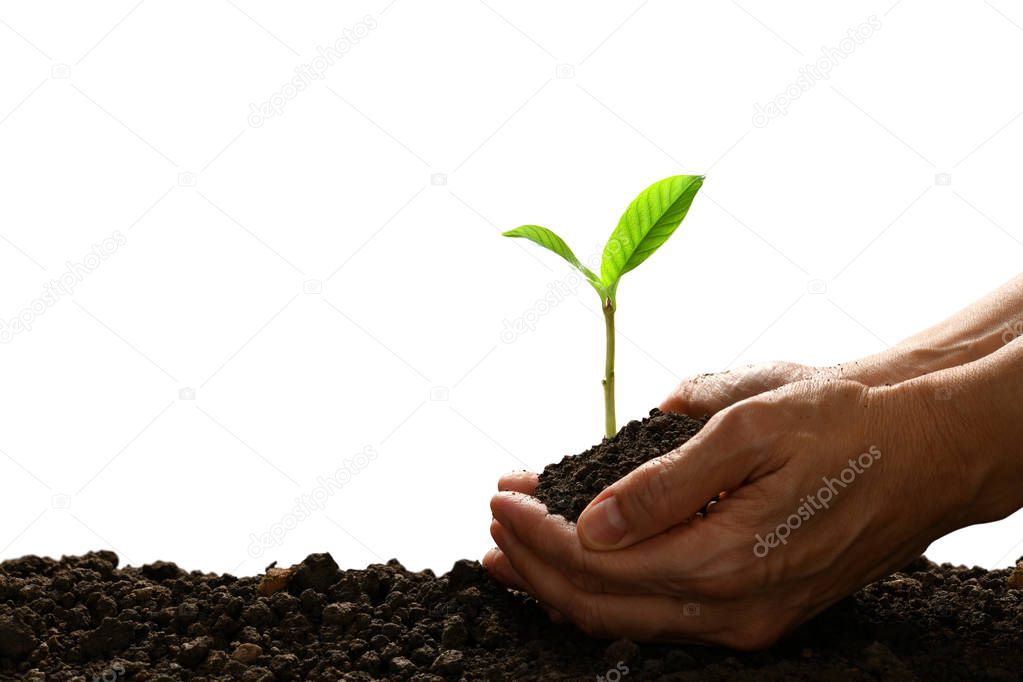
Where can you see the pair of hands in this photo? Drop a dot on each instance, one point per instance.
(829, 483)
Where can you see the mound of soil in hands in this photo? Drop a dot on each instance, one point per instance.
(568, 486)
(83, 618)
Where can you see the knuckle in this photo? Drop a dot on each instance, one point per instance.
(733, 573)
(573, 607)
(685, 390)
(590, 619)
(755, 635)
(721, 590)
(582, 612)
(653, 486)
(728, 586)
(584, 578)
(696, 395)
(584, 582)
(745, 420)
(784, 372)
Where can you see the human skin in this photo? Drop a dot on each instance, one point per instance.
(941, 411)
(970, 334)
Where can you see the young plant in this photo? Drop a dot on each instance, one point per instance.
(646, 224)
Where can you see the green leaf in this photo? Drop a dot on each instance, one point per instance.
(646, 224)
(552, 242)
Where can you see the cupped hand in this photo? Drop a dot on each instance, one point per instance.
(706, 394)
(828, 485)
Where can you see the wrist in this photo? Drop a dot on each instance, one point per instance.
(888, 367)
(913, 359)
(970, 424)
(912, 421)
(934, 351)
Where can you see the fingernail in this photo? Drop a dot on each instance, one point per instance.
(488, 558)
(556, 616)
(603, 524)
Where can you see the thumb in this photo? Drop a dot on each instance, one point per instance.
(708, 394)
(702, 395)
(666, 491)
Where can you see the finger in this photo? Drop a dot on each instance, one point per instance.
(701, 395)
(708, 394)
(670, 489)
(554, 540)
(497, 565)
(747, 622)
(556, 616)
(638, 617)
(524, 482)
(649, 567)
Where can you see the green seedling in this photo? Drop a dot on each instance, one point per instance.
(646, 224)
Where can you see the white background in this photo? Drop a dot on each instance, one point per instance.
(135, 117)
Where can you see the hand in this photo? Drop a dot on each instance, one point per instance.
(707, 394)
(970, 335)
(829, 485)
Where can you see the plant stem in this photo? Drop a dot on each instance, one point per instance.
(609, 370)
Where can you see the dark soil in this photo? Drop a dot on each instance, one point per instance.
(568, 486)
(83, 618)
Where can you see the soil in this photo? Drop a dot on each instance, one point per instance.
(84, 618)
(568, 486)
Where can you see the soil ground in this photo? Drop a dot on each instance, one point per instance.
(86, 618)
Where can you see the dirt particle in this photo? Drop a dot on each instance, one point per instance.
(16, 638)
(111, 635)
(455, 633)
(257, 674)
(318, 572)
(879, 660)
(161, 570)
(247, 653)
(1015, 580)
(450, 663)
(274, 580)
(340, 614)
(194, 652)
(621, 651)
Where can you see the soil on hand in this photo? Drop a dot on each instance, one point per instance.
(568, 486)
(84, 618)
